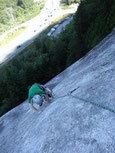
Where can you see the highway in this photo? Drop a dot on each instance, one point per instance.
(50, 12)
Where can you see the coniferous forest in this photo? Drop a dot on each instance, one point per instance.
(47, 57)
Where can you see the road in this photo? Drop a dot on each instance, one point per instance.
(50, 12)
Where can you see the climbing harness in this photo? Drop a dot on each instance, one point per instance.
(87, 101)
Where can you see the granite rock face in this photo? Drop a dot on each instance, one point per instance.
(69, 125)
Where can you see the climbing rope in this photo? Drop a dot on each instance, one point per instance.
(87, 101)
(96, 104)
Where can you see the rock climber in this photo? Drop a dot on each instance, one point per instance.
(37, 93)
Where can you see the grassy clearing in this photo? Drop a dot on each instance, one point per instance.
(65, 7)
(12, 36)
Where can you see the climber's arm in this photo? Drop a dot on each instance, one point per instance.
(35, 109)
(47, 99)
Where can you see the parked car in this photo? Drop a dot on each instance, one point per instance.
(52, 29)
(51, 32)
(61, 21)
(67, 18)
(56, 26)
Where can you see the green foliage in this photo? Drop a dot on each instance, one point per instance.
(69, 2)
(21, 10)
(93, 21)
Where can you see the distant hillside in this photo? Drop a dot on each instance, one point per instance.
(14, 12)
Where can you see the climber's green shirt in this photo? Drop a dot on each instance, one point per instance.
(34, 90)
